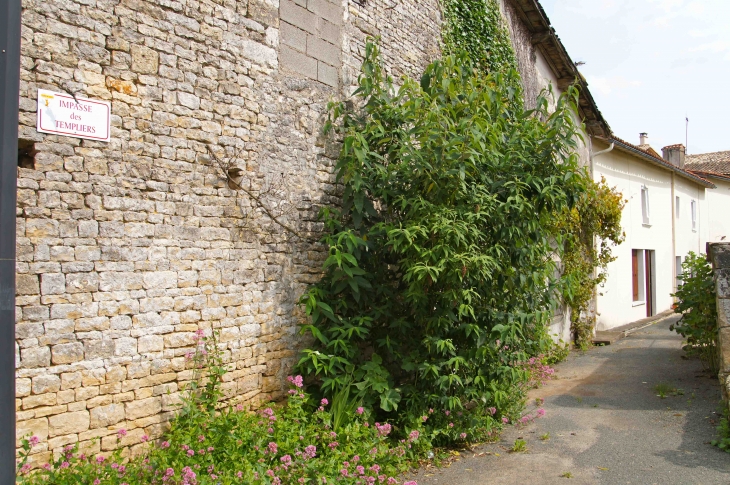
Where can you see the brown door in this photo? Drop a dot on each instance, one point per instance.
(649, 295)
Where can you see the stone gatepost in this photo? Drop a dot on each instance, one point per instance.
(719, 255)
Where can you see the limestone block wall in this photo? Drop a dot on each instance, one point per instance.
(127, 248)
(719, 255)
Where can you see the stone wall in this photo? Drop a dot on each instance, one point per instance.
(719, 255)
(127, 248)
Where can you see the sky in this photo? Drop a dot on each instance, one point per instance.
(652, 63)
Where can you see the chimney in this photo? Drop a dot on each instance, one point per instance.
(674, 154)
(643, 139)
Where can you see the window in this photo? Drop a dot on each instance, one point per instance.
(694, 215)
(676, 207)
(645, 205)
(637, 274)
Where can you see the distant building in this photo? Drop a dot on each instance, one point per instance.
(716, 168)
(666, 216)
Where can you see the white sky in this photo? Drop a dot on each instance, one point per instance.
(651, 62)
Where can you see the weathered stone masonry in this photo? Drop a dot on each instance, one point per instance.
(719, 256)
(126, 248)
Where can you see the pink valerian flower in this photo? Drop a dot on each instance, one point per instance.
(383, 430)
(270, 430)
(505, 419)
(65, 464)
(462, 436)
(333, 434)
(447, 412)
(412, 482)
(492, 411)
(122, 432)
(451, 425)
(169, 472)
(188, 476)
(270, 473)
(201, 438)
(239, 474)
(540, 413)
(375, 468)
(310, 451)
(424, 418)
(100, 459)
(374, 451)
(273, 448)
(413, 435)
(165, 445)
(144, 438)
(286, 460)
(25, 469)
(344, 472)
(33, 440)
(360, 410)
(297, 381)
(392, 481)
(360, 470)
(324, 401)
(191, 452)
(97, 482)
(356, 458)
(333, 445)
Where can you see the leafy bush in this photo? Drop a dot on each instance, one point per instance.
(289, 444)
(697, 305)
(441, 277)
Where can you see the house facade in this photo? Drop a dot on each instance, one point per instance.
(666, 215)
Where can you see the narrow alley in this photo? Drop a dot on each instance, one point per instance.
(606, 423)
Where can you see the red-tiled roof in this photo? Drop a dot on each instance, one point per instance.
(715, 162)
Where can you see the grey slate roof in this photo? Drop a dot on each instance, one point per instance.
(716, 162)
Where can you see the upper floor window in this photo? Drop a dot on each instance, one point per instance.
(694, 215)
(676, 207)
(645, 205)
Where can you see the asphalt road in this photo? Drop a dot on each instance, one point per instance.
(607, 425)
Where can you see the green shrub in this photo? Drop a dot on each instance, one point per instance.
(696, 303)
(441, 277)
(282, 444)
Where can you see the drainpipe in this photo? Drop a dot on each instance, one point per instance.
(9, 90)
(674, 235)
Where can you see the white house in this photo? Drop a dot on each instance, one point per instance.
(665, 217)
(715, 167)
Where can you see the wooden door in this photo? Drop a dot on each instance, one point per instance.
(649, 293)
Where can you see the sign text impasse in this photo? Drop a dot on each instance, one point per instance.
(61, 114)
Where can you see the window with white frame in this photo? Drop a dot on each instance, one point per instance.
(676, 207)
(645, 205)
(694, 215)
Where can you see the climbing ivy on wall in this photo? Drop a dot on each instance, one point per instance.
(477, 27)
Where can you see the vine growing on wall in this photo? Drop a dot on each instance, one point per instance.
(592, 228)
(478, 28)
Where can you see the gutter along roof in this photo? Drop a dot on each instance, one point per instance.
(627, 147)
(714, 175)
(546, 40)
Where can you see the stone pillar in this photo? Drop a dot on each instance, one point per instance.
(719, 255)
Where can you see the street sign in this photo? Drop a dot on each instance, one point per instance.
(62, 114)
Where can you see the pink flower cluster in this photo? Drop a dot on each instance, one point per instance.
(297, 381)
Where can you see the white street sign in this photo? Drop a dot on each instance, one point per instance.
(61, 114)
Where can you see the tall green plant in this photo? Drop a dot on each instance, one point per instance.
(441, 274)
(696, 303)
